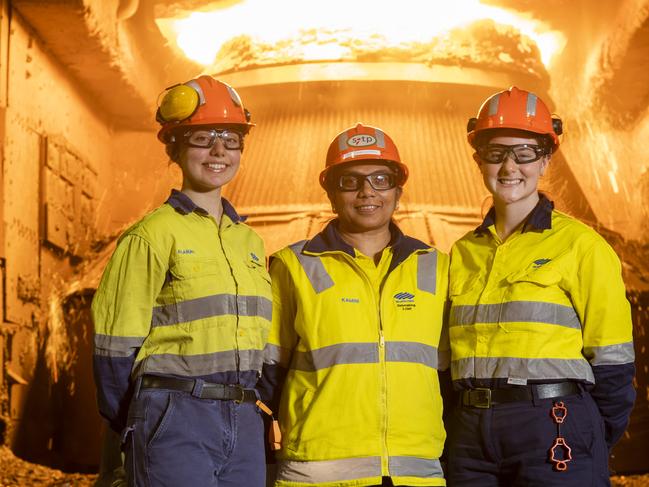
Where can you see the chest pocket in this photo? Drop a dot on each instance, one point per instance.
(184, 269)
(259, 273)
(535, 285)
(193, 278)
(460, 287)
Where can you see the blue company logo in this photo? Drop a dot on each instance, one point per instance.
(350, 300)
(539, 262)
(254, 257)
(185, 251)
(404, 297)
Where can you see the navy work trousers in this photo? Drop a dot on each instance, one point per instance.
(508, 445)
(175, 439)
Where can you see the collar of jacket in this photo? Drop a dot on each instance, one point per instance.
(540, 218)
(329, 240)
(184, 205)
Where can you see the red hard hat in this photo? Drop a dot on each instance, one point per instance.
(515, 109)
(362, 143)
(201, 101)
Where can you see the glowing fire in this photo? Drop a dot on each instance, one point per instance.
(201, 34)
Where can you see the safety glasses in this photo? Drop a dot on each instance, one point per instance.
(354, 182)
(207, 138)
(521, 153)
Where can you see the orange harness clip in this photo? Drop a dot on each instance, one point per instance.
(559, 414)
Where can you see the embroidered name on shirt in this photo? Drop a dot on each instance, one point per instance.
(350, 300)
(185, 251)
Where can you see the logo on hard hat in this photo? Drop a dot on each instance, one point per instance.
(361, 140)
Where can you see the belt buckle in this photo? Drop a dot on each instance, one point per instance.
(480, 397)
(242, 392)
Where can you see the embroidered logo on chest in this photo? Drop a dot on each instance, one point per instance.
(539, 262)
(405, 301)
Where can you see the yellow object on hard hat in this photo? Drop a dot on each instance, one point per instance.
(179, 103)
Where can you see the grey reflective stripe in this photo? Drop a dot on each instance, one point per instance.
(342, 353)
(515, 311)
(342, 141)
(380, 139)
(363, 353)
(521, 368)
(329, 470)
(317, 472)
(444, 359)
(621, 353)
(276, 355)
(531, 105)
(418, 353)
(114, 346)
(493, 104)
(313, 267)
(427, 272)
(415, 467)
(208, 306)
(203, 364)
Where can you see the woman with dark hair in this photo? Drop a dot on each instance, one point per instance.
(354, 347)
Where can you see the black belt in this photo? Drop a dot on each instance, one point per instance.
(485, 398)
(223, 392)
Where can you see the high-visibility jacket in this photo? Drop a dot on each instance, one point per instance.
(361, 398)
(183, 295)
(548, 304)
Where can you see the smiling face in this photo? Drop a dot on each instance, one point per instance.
(208, 168)
(511, 183)
(365, 209)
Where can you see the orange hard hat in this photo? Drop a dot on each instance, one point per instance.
(362, 143)
(201, 101)
(515, 109)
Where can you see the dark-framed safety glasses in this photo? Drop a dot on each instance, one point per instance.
(521, 153)
(354, 182)
(206, 138)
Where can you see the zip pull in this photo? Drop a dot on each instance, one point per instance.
(274, 433)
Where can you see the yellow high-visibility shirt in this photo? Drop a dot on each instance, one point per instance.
(361, 343)
(545, 305)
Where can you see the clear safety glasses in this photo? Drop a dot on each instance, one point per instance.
(354, 182)
(521, 153)
(207, 138)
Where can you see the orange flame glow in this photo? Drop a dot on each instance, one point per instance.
(201, 34)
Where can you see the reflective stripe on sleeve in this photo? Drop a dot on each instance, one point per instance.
(329, 470)
(364, 353)
(427, 272)
(621, 353)
(415, 467)
(535, 369)
(313, 267)
(197, 365)
(114, 346)
(515, 311)
(208, 306)
(276, 355)
(411, 352)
